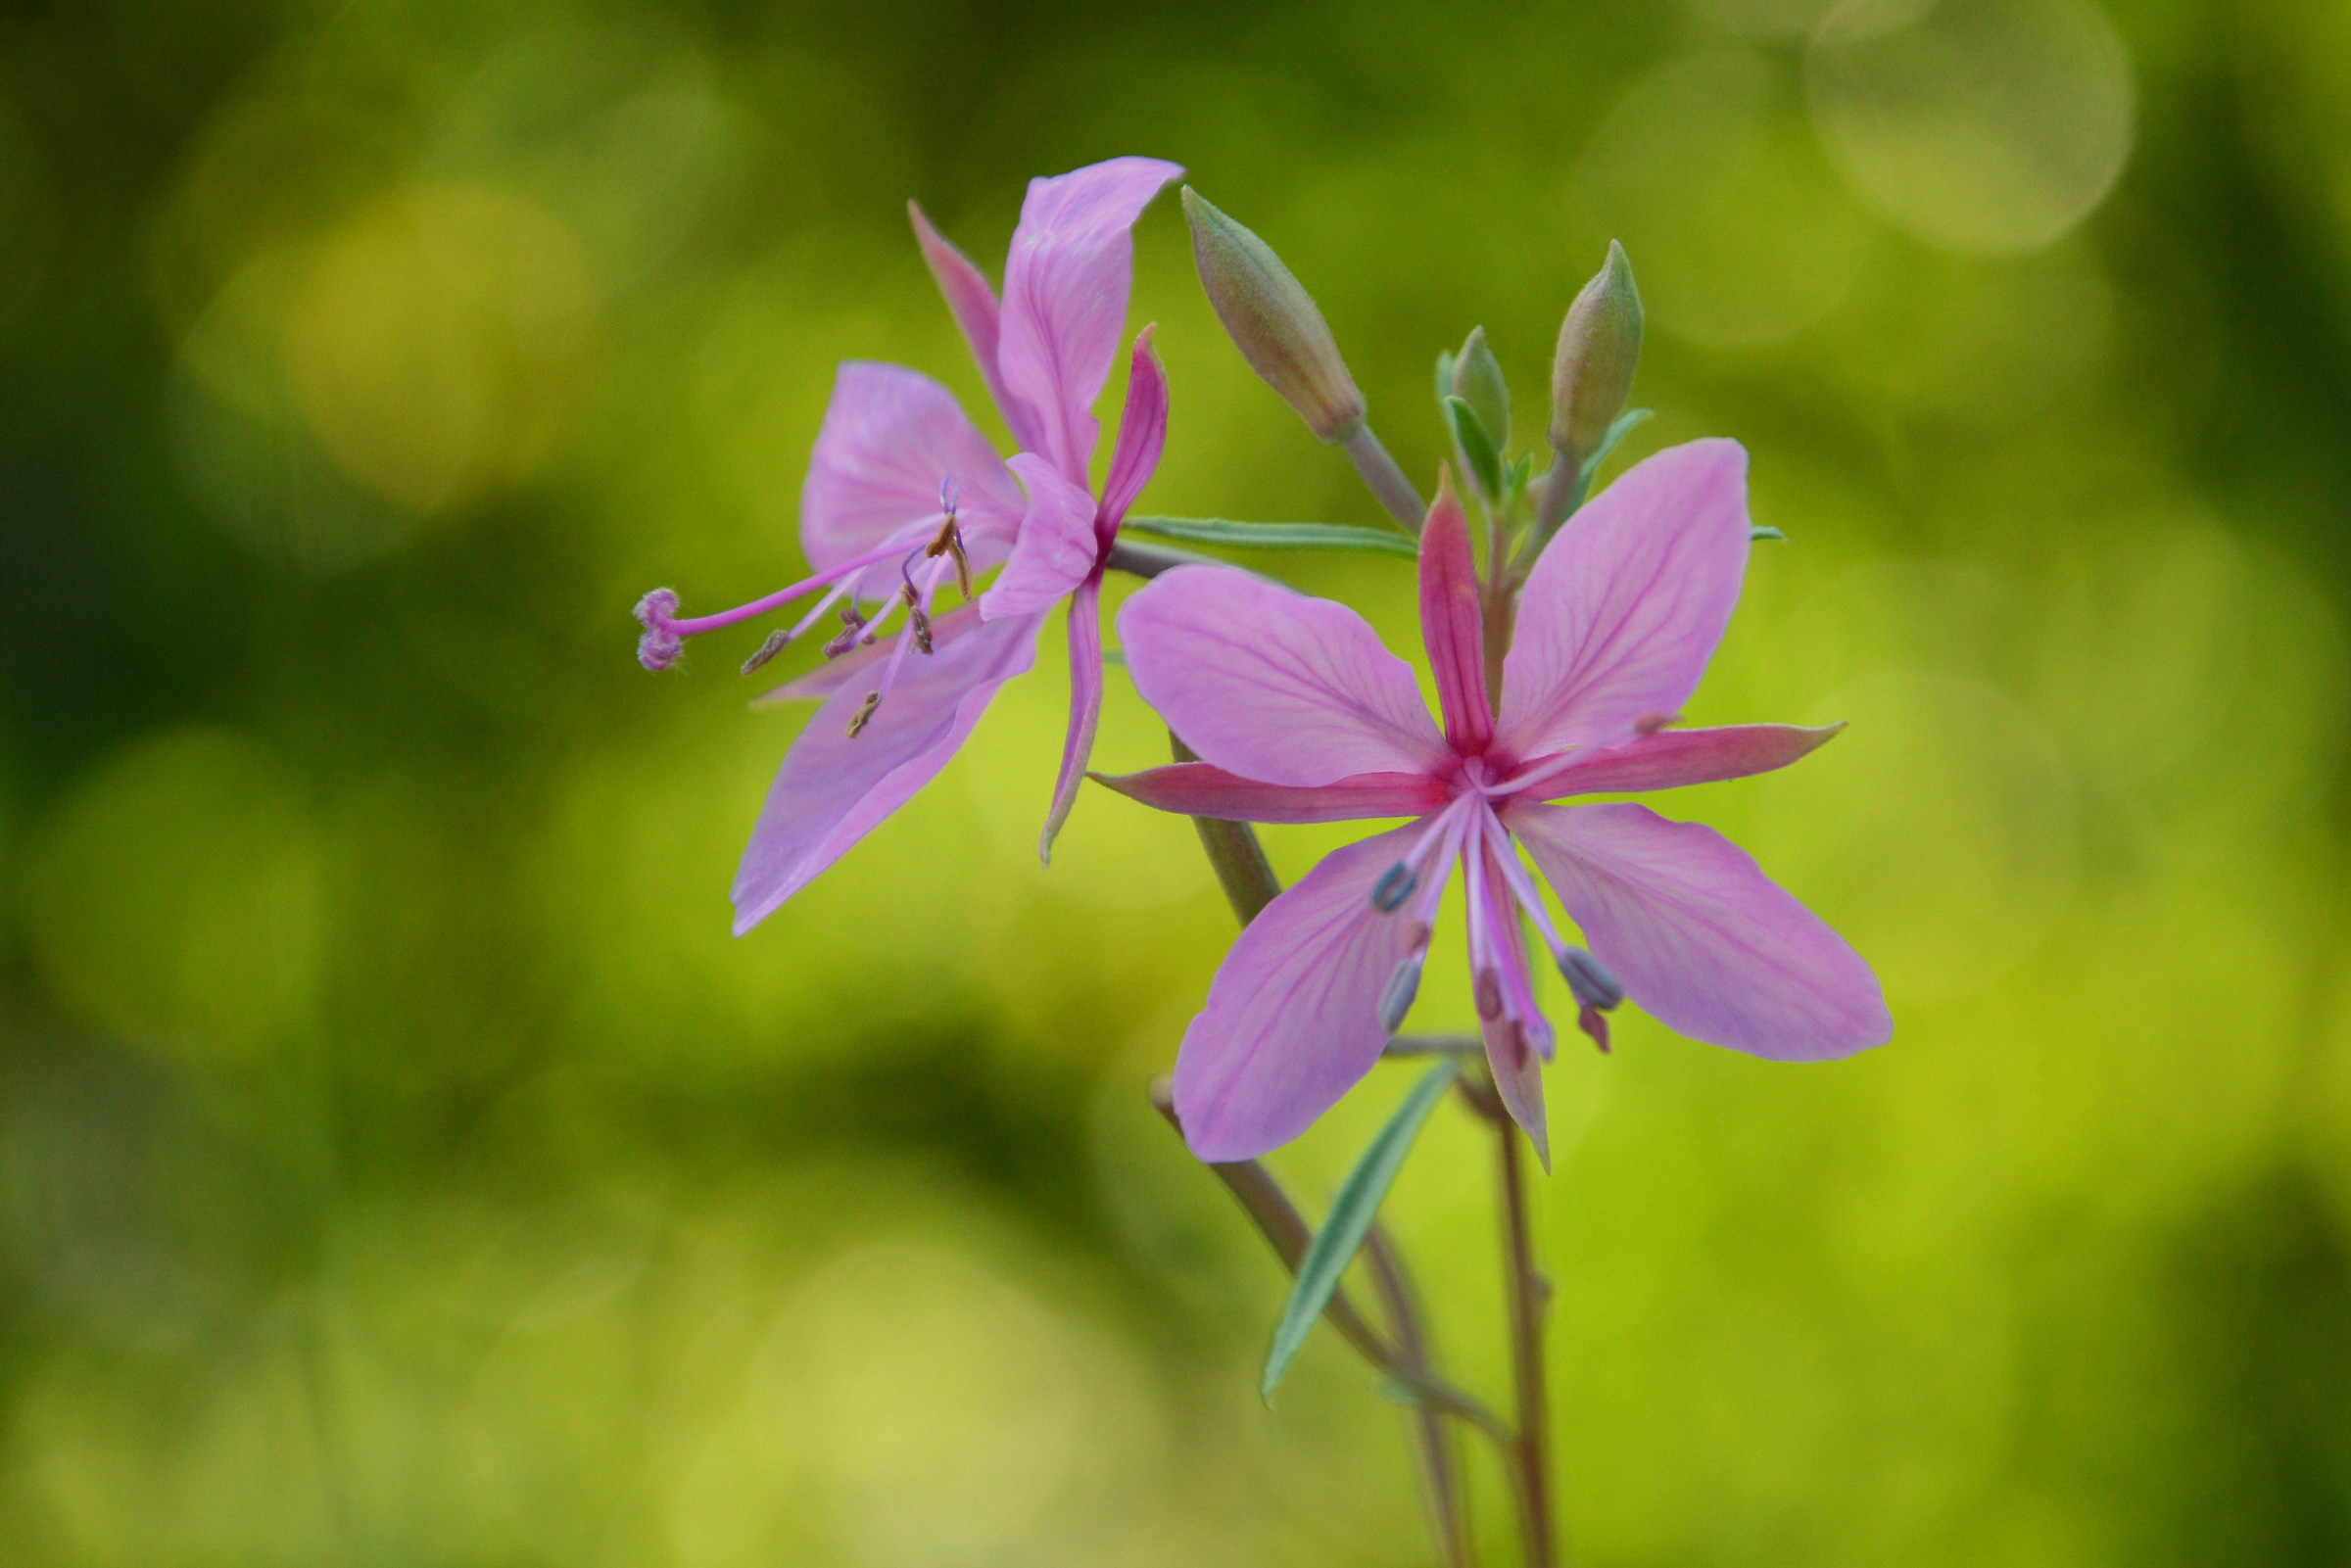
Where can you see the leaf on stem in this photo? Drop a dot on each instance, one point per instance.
(1350, 1220)
(1477, 447)
(1621, 427)
(1273, 536)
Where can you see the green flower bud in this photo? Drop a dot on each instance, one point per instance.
(1600, 346)
(1476, 377)
(1273, 321)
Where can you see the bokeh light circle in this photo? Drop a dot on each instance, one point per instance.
(1983, 126)
(1738, 226)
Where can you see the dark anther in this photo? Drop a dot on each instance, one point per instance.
(851, 624)
(767, 650)
(1394, 887)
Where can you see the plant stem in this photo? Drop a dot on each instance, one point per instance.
(1147, 561)
(1285, 1230)
(1385, 479)
(1232, 848)
(1563, 487)
(1440, 1466)
(1529, 1298)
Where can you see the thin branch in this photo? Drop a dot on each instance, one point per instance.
(1149, 560)
(1285, 1230)
(1440, 1466)
(1386, 481)
(1241, 868)
(1528, 1298)
(1434, 1045)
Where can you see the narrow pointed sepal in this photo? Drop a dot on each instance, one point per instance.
(1085, 707)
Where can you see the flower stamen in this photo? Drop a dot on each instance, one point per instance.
(949, 541)
(767, 650)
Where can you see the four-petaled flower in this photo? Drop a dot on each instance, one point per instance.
(904, 492)
(1300, 715)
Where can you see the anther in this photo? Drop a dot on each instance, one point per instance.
(767, 650)
(851, 624)
(1595, 1023)
(1595, 988)
(1396, 1000)
(921, 626)
(1395, 885)
(864, 714)
(949, 543)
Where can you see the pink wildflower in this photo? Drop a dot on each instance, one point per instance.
(1300, 715)
(904, 494)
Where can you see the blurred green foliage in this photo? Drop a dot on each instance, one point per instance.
(403, 1165)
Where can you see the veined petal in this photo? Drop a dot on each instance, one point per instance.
(1203, 790)
(1626, 605)
(1055, 550)
(1066, 283)
(890, 435)
(1672, 758)
(1451, 622)
(1293, 1018)
(1519, 1078)
(1142, 433)
(1698, 935)
(1272, 684)
(1086, 706)
(976, 311)
(833, 789)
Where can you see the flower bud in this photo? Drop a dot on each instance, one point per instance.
(1600, 346)
(1273, 321)
(1477, 381)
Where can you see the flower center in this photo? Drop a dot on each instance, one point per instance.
(1470, 830)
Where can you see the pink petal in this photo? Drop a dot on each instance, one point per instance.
(974, 305)
(1201, 789)
(1273, 685)
(1292, 1022)
(1142, 432)
(1064, 297)
(1698, 936)
(851, 667)
(831, 789)
(1055, 548)
(889, 437)
(1519, 1078)
(1086, 706)
(1452, 624)
(1672, 758)
(1621, 613)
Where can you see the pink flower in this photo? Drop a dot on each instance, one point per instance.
(904, 493)
(1300, 715)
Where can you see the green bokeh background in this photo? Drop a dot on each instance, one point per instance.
(401, 1164)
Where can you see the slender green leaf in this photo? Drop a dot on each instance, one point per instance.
(1622, 427)
(1273, 536)
(1444, 377)
(1350, 1220)
(1477, 447)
